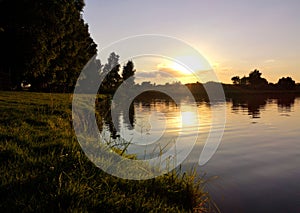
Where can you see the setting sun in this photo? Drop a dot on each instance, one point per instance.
(178, 67)
(174, 66)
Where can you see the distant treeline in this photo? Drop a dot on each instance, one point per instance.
(199, 90)
(231, 91)
(255, 81)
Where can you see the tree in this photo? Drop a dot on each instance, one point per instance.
(90, 78)
(15, 39)
(286, 83)
(244, 81)
(128, 71)
(46, 42)
(255, 79)
(236, 80)
(112, 77)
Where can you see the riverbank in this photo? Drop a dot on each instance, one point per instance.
(232, 90)
(43, 167)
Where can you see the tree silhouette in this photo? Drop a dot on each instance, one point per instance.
(244, 81)
(255, 79)
(236, 80)
(286, 83)
(90, 80)
(129, 71)
(112, 77)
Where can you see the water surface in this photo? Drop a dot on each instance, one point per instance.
(257, 162)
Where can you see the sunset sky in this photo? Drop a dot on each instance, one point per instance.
(235, 36)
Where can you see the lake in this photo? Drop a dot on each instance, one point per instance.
(257, 163)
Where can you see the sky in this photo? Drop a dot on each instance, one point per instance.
(234, 36)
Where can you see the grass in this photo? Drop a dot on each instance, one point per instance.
(43, 168)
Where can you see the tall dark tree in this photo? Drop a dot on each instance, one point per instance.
(47, 42)
(111, 70)
(15, 38)
(128, 73)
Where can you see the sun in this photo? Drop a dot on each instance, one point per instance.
(175, 66)
(178, 67)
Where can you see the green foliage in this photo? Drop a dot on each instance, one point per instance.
(44, 42)
(43, 168)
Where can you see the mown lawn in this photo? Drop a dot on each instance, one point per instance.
(43, 168)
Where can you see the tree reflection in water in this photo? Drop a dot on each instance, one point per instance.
(253, 104)
(250, 104)
(286, 103)
(104, 116)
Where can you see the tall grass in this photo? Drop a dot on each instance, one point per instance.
(44, 169)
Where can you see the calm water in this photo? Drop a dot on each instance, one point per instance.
(257, 162)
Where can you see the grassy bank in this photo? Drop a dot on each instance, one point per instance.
(43, 168)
